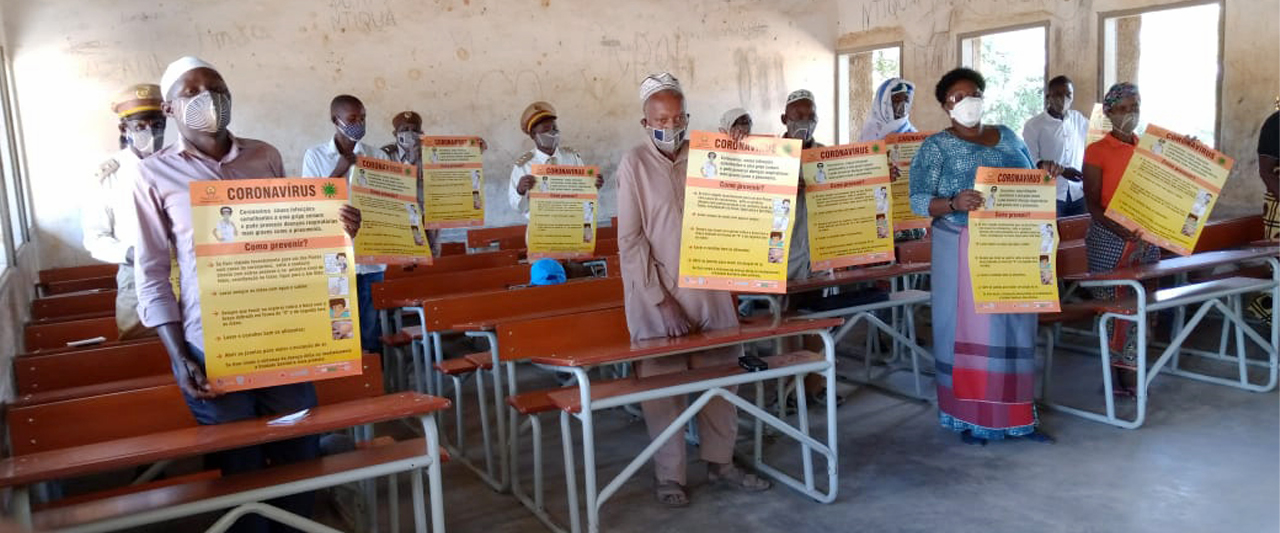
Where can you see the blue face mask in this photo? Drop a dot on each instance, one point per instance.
(353, 131)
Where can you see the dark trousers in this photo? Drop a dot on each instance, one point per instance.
(1071, 207)
(243, 405)
(370, 326)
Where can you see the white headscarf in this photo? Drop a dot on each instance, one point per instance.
(881, 122)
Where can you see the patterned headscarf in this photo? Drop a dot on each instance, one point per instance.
(1118, 92)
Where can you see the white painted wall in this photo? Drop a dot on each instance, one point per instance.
(469, 66)
(929, 31)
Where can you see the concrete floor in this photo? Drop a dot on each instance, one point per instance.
(1206, 460)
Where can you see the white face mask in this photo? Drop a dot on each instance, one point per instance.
(801, 129)
(667, 139)
(968, 112)
(548, 141)
(146, 141)
(1128, 123)
(207, 112)
(407, 139)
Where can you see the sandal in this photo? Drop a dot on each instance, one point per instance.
(671, 494)
(730, 475)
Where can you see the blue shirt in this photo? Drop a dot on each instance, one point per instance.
(946, 165)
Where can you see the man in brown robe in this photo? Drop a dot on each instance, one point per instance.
(651, 188)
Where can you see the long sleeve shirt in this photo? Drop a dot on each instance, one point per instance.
(109, 221)
(524, 166)
(650, 211)
(163, 206)
(319, 161)
(947, 164)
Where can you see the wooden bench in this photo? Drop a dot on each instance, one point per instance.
(601, 338)
(58, 334)
(477, 314)
(86, 436)
(453, 248)
(456, 263)
(505, 237)
(56, 275)
(913, 251)
(1074, 227)
(40, 374)
(65, 305)
(67, 349)
(1222, 295)
(1230, 233)
(79, 285)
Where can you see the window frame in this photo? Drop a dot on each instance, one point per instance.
(1103, 16)
(841, 56)
(1046, 24)
(6, 114)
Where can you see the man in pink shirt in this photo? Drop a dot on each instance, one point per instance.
(198, 101)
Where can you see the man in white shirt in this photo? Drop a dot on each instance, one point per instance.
(1056, 138)
(336, 158)
(539, 122)
(110, 220)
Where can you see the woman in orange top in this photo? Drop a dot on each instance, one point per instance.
(1110, 245)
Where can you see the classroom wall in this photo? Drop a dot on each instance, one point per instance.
(469, 66)
(929, 31)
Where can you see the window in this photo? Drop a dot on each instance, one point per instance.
(1173, 54)
(9, 157)
(13, 208)
(1015, 63)
(858, 75)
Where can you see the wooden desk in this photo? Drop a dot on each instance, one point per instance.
(22, 471)
(576, 358)
(1223, 295)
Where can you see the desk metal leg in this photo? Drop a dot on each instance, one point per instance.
(500, 410)
(434, 484)
(22, 506)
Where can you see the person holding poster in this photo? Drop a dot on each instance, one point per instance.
(406, 127)
(846, 193)
(387, 199)
(985, 362)
(539, 122)
(891, 111)
(337, 157)
(1012, 242)
(1110, 245)
(907, 226)
(199, 102)
(651, 199)
(453, 182)
(800, 116)
(562, 214)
